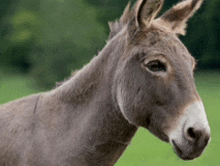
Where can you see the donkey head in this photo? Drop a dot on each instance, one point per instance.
(154, 85)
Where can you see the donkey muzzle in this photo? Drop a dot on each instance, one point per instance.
(192, 135)
(192, 149)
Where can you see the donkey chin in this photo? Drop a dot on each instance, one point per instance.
(190, 137)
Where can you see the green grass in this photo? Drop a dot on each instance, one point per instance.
(16, 86)
(145, 149)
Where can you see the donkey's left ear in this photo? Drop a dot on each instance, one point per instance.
(145, 11)
(176, 18)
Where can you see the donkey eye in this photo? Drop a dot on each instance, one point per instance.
(156, 66)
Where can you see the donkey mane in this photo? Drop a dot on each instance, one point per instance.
(59, 83)
(118, 25)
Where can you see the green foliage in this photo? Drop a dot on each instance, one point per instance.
(18, 35)
(108, 10)
(50, 38)
(70, 38)
(202, 37)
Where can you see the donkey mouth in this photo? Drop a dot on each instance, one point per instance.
(181, 154)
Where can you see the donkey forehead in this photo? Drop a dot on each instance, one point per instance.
(168, 44)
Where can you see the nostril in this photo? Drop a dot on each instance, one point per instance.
(194, 134)
(191, 133)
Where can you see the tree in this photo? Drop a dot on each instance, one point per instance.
(69, 38)
(19, 32)
(48, 39)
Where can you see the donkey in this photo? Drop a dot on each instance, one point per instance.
(143, 77)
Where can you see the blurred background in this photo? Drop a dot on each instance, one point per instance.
(43, 41)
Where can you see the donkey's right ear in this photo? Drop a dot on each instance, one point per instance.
(145, 11)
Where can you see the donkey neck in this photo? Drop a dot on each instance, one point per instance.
(96, 75)
(105, 133)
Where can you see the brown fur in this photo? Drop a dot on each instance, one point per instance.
(91, 118)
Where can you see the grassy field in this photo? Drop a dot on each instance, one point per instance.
(145, 149)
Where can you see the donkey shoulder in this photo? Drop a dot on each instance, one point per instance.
(17, 116)
(16, 126)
